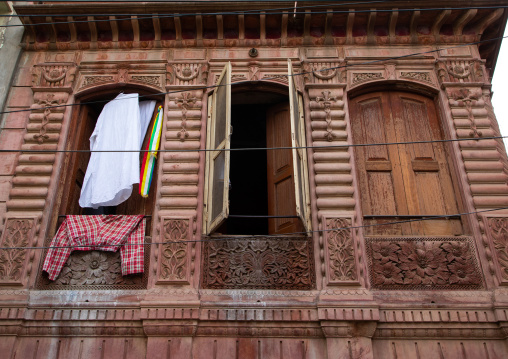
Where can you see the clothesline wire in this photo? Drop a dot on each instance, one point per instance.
(269, 236)
(266, 148)
(266, 79)
(247, 12)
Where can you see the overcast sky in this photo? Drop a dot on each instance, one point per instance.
(500, 88)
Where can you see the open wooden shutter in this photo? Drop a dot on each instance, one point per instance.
(299, 153)
(217, 161)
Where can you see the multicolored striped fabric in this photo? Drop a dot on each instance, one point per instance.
(148, 163)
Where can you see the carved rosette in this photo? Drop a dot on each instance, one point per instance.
(174, 261)
(14, 261)
(423, 264)
(340, 252)
(262, 263)
(498, 233)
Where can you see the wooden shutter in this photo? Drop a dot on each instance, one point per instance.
(299, 153)
(217, 161)
(406, 179)
(280, 173)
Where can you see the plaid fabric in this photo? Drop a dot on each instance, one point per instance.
(105, 233)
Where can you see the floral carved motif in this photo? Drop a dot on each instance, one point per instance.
(150, 80)
(12, 255)
(499, 232)
(47, 104)
(185, 102)
(341, 254)
(468, 97)
(423, 264)
(366, 76)
(280, 78)
(93, 80)
(419, 76)
(173, 258)
(274, 263)
(460, 70)
(327, 101)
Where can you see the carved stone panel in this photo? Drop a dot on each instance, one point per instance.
(423, 263)
(340, 252)
(498, 231)
(18, 234)
(174, 253)
(95, 270)
(261, 263)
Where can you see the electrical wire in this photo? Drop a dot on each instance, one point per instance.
(263, 148)
(266, 79)
(249, 12)
(268, 236)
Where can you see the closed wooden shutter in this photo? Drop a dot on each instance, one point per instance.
(402, 181)
(217, 161)
(281, 187)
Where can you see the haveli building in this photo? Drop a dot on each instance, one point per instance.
(369, 219)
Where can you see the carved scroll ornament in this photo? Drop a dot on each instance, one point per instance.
(17, 234)
(340, 251)
(326, 100)
(173, 263)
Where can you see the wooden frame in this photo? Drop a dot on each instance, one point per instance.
(220, 98)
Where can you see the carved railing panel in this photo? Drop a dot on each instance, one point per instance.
(425, 264)
(95, 270)
(261, 263)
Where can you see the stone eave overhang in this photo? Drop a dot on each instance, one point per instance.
(145, 25)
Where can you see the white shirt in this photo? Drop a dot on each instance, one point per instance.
(110, 175)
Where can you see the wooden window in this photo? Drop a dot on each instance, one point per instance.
(82, 126)
(402, 181)
(236, 182)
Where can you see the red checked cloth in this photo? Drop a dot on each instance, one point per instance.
(104, 233)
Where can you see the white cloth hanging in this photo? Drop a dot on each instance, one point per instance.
(110, 175)
(145, 116)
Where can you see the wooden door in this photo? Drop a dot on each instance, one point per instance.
(281, 187)
(406, 180)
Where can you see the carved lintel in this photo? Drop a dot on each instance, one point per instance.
(416, 75)
(362, 77)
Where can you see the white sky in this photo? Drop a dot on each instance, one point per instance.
(500, 88)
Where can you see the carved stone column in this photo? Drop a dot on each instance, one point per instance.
(51, 85)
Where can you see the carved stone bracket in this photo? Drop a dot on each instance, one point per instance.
(340, 252)
(14, 260)
(326, 100)
(174, 254)
(467, 97)
(53, 76)
(186, 74)
(322, 72)
(460, 70)
(185, 102)
(423, 263)
(261, 263)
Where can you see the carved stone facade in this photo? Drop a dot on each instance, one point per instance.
(336, 292)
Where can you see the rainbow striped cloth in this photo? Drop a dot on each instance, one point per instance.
(148, 163)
